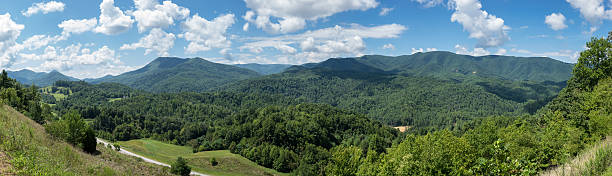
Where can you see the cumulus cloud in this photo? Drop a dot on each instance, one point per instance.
(292, 16)
(389, 46)
(488, 29)
(39, 41)
(112, 20)
(429, 3)
(203, 35)
(556, 21)
(501, 51)
(51, 6)
(78, 26)
(592, 10)
(157, 40)
(150, 14)
(475, 52)
(78, 61)
(421, 50)
(385, 11)
(568, 56)
(9, 32)
(320, 44)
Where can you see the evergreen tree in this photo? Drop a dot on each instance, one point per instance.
(180, 167)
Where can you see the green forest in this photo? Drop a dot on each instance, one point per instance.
(336, 117)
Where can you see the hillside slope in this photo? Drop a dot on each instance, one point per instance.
(41, 79)
(401, 99)
(442, 64)
(31, 151)
(265, 69)
(169, 74)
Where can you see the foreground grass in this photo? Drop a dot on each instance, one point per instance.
(596, 160)
(229, 164)
(26, 149)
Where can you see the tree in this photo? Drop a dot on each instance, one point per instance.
(180, 167)
(594, 63)
(89, 140)
(213, 161)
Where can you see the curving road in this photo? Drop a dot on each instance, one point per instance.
(144, 158)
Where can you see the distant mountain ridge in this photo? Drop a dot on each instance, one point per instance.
(265, 69)
(443, 64)
(172, 74)
(41, 79)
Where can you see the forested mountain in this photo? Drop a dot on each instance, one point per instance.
(41, 79)
(265, 69)
(169, 74)
(402, 100)
(442, 64)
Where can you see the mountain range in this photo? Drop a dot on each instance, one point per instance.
(171, 74)
(42, 79)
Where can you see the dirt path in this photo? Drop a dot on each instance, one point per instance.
(144, 158)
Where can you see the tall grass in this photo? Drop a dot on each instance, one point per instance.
(596, 160)
(33, 152)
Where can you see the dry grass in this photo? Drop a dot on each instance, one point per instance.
(33, 152)
(580, 164)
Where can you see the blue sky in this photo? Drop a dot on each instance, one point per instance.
(93, 38)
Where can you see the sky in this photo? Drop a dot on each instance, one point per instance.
(94, 38)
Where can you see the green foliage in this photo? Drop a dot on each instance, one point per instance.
(180, 167)
(73, 129)
(213, 161)
(594, 63)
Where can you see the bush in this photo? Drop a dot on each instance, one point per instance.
(180, 167)
(213, 161)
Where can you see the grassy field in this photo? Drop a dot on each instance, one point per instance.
(229, 164)
(26, 149)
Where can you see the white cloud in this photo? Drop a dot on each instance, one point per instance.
(150, 14)
(476, 52)
(421, 50)
(157, 40)
(501, 51)
(488, 29)
(78, 26)
(429, 3)
(51, 6)
(39, 41)
(78, 61)
(258, 47)
(245, 28)
(204, 35)
(292, 16)
(112, 20)
(561, 55)
(389, 46)
(385, 11)
(318, 45)
(592, 10)
(556, 21)
(9, 32)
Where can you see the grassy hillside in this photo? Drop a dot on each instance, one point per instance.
(167, 74)
(596, 160)
(229, 164)
(27, 150)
